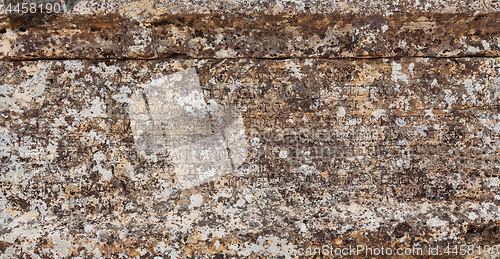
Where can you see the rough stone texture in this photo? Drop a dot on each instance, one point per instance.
(384, 151)
(251, 29)
(398, 151)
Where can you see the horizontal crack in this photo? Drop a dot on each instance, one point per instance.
(184, 56)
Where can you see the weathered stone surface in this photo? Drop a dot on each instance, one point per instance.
(250, 129)
(255, 29)
(393, 152)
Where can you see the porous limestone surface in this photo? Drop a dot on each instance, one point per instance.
(297, 153)
(250, 129)
(253, 29)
